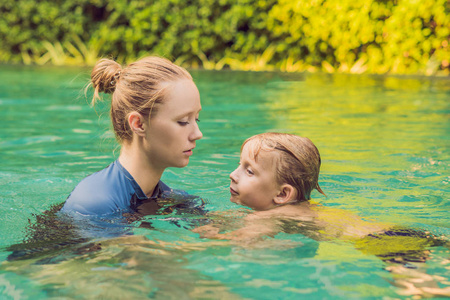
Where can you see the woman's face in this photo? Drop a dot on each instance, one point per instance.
(174, 129)
(253, 183)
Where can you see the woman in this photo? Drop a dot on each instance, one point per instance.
(154, 111)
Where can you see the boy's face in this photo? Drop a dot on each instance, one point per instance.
(253, 183)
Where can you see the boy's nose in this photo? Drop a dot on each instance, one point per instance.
(233, 176)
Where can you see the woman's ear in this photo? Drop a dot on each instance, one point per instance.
(137, 123)
(286, 195)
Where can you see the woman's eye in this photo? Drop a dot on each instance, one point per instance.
(183, 123)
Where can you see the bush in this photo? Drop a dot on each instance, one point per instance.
(376, 36)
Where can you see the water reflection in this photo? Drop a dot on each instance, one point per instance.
(384, 144)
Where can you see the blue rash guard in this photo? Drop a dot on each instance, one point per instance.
(107, 191)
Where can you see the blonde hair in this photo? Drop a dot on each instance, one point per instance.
(297, 163)
(140, 87)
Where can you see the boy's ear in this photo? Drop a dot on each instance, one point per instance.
(287, 194)
(136, 122)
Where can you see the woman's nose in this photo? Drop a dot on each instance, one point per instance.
(197, 134)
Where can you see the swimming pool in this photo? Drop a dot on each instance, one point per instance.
(384, 144)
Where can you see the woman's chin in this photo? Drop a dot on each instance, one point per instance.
(181, 164)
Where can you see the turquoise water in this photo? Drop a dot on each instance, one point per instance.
(384, 144)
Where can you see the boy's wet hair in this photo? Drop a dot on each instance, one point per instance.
(297, 162)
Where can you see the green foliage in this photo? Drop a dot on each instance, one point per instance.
(403, 36)
(376, 36)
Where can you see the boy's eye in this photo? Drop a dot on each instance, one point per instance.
(250, 172)
(197, 120)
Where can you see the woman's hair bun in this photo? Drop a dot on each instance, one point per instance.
(104, 76)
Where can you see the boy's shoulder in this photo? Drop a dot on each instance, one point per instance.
(300, 211)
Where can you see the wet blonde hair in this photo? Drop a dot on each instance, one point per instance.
(141, 86)
(297, 161)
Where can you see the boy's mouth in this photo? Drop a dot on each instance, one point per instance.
(233, 192)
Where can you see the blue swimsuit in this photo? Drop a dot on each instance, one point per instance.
(107, 191)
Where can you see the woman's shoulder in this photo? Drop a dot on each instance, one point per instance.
(101, 192)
